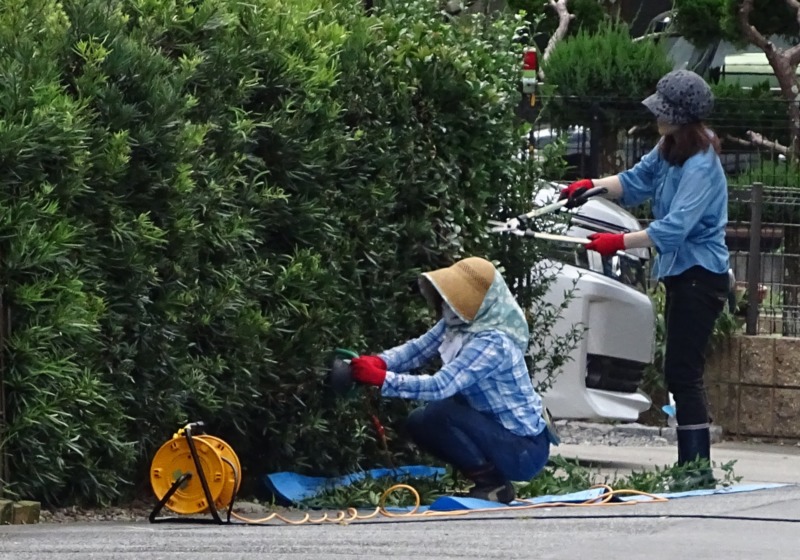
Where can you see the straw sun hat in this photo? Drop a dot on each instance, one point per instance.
(463, 285)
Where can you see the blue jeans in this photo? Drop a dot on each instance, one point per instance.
(470, 440)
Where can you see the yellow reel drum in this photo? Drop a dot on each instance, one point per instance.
(219, 464)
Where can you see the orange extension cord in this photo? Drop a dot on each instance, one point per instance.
(351, 515)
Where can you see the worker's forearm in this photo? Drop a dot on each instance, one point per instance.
(612, 184)
(638, 240)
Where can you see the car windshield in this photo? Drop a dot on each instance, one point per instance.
(627, 269)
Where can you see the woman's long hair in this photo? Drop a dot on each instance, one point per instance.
(688, 140)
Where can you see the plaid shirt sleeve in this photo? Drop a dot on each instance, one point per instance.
(479, 358)
(415, 353)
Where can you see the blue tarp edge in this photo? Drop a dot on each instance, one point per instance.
(294, 488)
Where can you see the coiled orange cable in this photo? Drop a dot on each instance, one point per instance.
(351, 515)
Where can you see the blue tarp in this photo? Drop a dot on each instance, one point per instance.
(293, 488)
(725, 490)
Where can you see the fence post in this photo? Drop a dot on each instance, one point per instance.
(754, 258)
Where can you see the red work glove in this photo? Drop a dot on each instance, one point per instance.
(606, 244)
(370, 370)
(574, 191)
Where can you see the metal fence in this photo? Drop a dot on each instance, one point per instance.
(764, 241)
(604, 136)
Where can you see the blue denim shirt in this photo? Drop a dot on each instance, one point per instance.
(489, 372)
(690, 206)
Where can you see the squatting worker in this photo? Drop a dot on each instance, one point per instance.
(482, 415)
(684, 178)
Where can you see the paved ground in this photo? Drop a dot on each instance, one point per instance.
(653, 531)
(541, 534)
(754, 462)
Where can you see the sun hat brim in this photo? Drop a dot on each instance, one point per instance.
(464, 285)
(664, 110)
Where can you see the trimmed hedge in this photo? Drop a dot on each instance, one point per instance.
(204, 197)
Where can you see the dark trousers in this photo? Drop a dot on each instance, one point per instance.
(471, 441)
(694, 300)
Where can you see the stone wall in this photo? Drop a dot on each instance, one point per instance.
(754, 386)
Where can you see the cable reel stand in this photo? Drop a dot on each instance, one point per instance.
(195, 473)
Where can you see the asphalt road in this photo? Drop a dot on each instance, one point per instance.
(597, 532)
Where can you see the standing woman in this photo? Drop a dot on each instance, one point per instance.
(684, 178)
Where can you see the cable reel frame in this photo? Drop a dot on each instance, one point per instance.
(192, 455)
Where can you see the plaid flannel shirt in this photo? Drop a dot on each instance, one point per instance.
(489, 372)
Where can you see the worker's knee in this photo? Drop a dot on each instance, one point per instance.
(431, 418)
(415, 423)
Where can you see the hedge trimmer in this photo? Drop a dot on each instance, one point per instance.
(340, 380)
(523, 224)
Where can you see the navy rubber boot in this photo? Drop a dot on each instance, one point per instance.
(490, 485)
(694, 447)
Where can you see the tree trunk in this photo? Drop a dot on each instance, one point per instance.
(611, 161)
(784, 64)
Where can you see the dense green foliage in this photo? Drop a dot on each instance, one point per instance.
(738, 110)
(202, 198)
(598, 80)
(706, 21)
(606, 63)
(589, 15)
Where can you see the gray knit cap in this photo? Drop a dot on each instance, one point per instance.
(681, 97)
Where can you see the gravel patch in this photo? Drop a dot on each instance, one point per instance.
(629, 435)
(140, 511)
(130, 513)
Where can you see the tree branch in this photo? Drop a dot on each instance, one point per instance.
(737, 140)
(783, 62)
(796, 5)
(793, 54)
(564, 17)
(652, 35)
(751, 33)
(756, 139)
(759, 140)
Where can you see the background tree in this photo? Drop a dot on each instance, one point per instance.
(599, 80)
(586, 15)
(758, 23)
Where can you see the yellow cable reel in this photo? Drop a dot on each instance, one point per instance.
(175, 460)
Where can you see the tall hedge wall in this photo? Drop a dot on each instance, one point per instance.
(201, 198)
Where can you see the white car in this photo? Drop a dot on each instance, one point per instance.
(602, 378)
